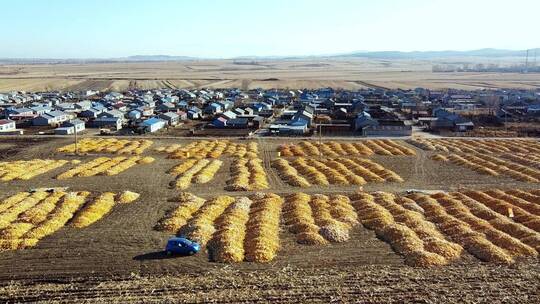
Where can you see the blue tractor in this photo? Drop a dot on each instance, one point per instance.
(181, 246)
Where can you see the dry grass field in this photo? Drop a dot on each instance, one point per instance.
(454, 242)
(351, 73)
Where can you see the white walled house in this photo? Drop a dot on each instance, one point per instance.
(7, 125)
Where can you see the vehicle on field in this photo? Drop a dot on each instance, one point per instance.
(181, 246)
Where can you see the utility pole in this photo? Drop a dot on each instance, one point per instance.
(320, 140)
(527, 62)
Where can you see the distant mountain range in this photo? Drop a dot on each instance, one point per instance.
(421, 55)
(441, 54)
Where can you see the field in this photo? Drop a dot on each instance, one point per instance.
(345, 228)
(346, 73)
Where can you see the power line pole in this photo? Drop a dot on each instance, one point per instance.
(527, 62)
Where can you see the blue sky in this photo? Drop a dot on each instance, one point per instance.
(228, 28)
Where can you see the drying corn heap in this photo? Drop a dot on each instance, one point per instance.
(435, 230)
(319, 219)
(515, 158)
(304, 172)
(233, 229)
(210, 149)
(105, 166)
(109, 145)
(198, 171)
(26, 218)
(427, 230)
(25, 170)
(336, 149)
(201, 163)
(247, 174)
(482, 146)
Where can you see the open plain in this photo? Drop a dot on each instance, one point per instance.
(347, 73)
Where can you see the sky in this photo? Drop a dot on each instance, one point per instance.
(231, 28)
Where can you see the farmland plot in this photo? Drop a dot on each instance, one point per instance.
(482, 146)
(26, 218)
(427, 230)
(210, 149)
(105, 166)
(304, 172)
(25, 170)
(336, 149)
(233, 229)
(109, 145)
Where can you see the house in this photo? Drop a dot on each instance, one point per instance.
(238, 123)
(107, 122)
(182, 115)
(91, 113)
(19, 113)
(134, 114)
(220, 122)
(171, 118)
(112, 114)
(258, 122)
(41, 109)
(51, 118)
(153, 124)
(7, 125)
(304, 115)
(364, 120)
(447, 121)
(194, 113)
(63, 131)
(229, 115)
(166, 107)
(213, 108)
(76, 124)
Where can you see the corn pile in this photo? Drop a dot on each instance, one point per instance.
(247, 174)
(480, 146)
(201, 226)
(43, 218)
(289, 174)
(188, 205)
(511, 245)
(109, 145)
(227, 244)
(463, 233)
(299, 220)
(25, 170)
(421, 244)
(494, 166)
(334, 149)
(195, 171)
(127, 197)
(207, 173)
(211, 149)
(94, 211)
(501, 222)
(262, 238)
(501, 206)
(304, 172)
(104, 166)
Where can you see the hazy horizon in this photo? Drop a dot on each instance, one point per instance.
(61, 29)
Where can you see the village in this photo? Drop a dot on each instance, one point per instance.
(233, 112)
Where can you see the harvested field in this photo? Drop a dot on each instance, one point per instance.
(326, 231)
(347, 73)
(28, 217)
